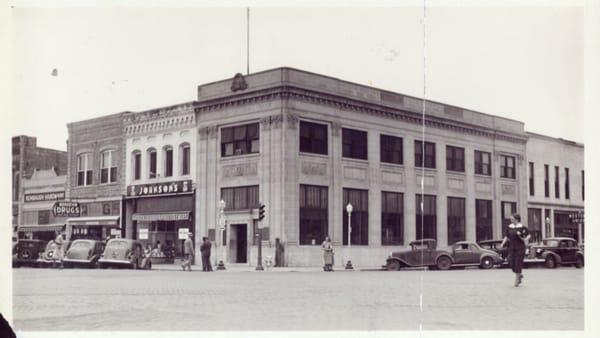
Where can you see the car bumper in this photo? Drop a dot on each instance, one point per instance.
(115, 262)
(76, 261)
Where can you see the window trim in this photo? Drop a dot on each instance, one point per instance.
(168, 171)
(88, 173)
(248, 141)
(423, 154)
(353, 144)
(149, 152)
(182, 147)
(479, 164)
(112, 165)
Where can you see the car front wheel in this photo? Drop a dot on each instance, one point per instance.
(550, 262)
(486, 263)
(579, 262)
(393, 265)
(444, 263)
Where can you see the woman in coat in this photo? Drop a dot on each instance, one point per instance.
(517, 237)
(327, 254)
(59, 243)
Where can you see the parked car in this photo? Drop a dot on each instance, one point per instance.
(49, 257)
(467, 253)
(84, 253)
(121, 252)
(422, 253)
(496, 246)
(555, 251)
(27, 251)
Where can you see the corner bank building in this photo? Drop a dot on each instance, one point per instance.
(306, 146)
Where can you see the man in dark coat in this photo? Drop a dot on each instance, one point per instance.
(205, 252)
(278, 253)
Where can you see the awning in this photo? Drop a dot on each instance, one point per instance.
(162, 216)
(110, 221)
(44, 227)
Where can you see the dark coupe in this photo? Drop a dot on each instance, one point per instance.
(121, 252)
(27, 251)
(422, 253)
(556, 251)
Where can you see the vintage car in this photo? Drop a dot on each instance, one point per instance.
(466, 253)
(555, 251)
(27, 251)
(50, 257)
(84, 253)
(496, 246)
(121, 252)
(422, 253)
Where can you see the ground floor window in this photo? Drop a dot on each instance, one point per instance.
(563, 226)
(313, 214)
(483, 216)
(88, 232)
(163, 237)
(392, 218)
(534, 224)
(508, 208)
(456, 219)
(360, 216)
(426, 220)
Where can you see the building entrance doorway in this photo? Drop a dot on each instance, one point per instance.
(238, 243)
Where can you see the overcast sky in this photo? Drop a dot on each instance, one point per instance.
(521, 63)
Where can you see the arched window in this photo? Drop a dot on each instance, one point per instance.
(84, 172)
(108, 167)
(168, 160)
(151, 163)
(184, 156)
(136, 164)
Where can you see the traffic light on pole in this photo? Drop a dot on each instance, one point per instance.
(261, 212)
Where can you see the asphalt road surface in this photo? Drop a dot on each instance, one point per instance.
(472, 299)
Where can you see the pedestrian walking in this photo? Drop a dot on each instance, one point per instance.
(517, 237)
(278, 253)
(205, 253)
(59, 242)
(327, 254)
(188, 248)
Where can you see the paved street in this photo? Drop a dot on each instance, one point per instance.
(46, 299)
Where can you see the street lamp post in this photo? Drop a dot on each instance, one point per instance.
(219, 232)
(349, 210)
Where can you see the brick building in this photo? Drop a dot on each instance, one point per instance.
(556, 185)
(95, 175)
(26, 158)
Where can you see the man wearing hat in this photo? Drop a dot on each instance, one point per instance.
(188, 249)
(205, 251)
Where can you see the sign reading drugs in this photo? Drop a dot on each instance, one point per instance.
(160, 188)
(66, 209)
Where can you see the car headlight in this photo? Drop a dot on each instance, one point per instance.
(538, 250)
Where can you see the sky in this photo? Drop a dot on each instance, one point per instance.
(523, 63)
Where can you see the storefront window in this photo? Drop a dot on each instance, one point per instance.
(456, 219)
(426, 221)
(360, 216)
(240, 198)
(483, 215)
(508, 208)
(392, 218)
(313, 214)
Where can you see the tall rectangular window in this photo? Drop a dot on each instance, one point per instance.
(185, 159)
(483, 163)
(582, 185)
(354, 144)
(567, 187)
(392, 218)
(507, 166)
(359, 235)
(546, 180)
(483, 218)
(531, 180)
(108, 169)
(390, 149)
(152, 163)
(534, 224)
(137, 165)
(508, 208)
(455, 158)
(84, 172)
(556, 182)
(456, 219)
(313, 138)
(240, 198)
(313, 214)
(240, 140)
(424, 154)
(426, 220)
(168, 161)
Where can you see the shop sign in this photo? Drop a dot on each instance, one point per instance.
(160, 188)
(183, 233)
(66, 209)
(143, 234)
(47, 196)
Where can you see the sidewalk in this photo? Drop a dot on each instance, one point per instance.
(247, 268)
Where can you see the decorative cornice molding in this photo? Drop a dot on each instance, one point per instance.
(343, 103)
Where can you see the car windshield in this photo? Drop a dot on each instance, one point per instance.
(551, 242)
(118, 245)
(80, 245)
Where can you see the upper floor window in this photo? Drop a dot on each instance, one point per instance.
(424, 154)
(507, 166)
(152, 163)
(240, 140)
(390, 149)
(168, 161)
(455, 158)
(483, 163)
(546, 180)
(354, 143)
(84, 171)
(313, 138)
(137, 164)
(556, 182)
(108, 167)
(567, 184)
(583, 185)
(531, 179)
(184, 151)
(240, 198)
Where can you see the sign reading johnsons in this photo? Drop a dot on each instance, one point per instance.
(160, 188)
